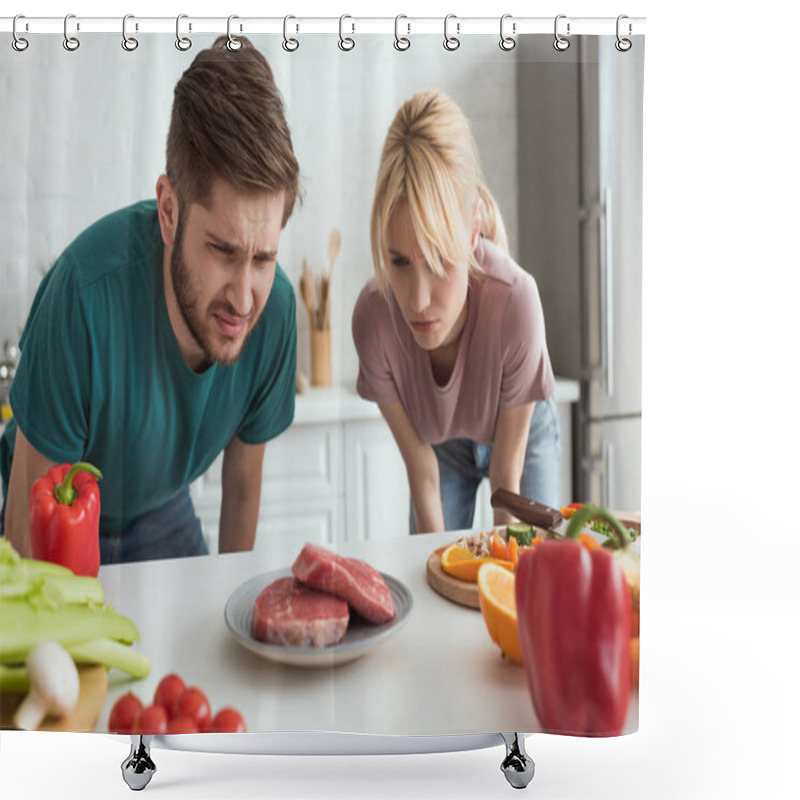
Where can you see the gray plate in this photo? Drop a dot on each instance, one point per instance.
(360, 638)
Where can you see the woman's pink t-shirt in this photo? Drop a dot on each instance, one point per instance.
(502, 359)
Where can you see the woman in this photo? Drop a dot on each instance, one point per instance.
(450, 331)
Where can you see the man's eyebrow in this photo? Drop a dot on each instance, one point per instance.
(234, 248)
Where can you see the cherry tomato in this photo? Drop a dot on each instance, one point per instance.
(193, 704)
(169, 689)
(227, 720)
(152, 720)
(182, 725)
(124, 714)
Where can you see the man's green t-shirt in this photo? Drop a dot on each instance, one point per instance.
(101, 378)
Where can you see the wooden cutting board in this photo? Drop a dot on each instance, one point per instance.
(462, 592)
(465, 593)
(94, 684)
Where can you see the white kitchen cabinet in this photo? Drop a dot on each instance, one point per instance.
(377, 496)
(376, 486)
(336, 475)
(302, 490)
(316, 521)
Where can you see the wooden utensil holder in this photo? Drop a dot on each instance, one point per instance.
(321, 357)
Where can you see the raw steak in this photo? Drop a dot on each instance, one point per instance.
(288, 613)
(361, 585)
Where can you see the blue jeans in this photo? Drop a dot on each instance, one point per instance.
(171, 531)
(463, 464)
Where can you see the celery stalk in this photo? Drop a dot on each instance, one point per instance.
(25, 576)
(77, 589)
(111, 654)
(10, 558)
(57, 589)
(14, 586)
(36, 567)
(41, 601)
(24, 626)
(8, 555)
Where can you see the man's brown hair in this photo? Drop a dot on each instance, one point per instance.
(228, 122)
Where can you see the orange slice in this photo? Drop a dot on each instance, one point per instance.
(499, 609)
(464, 565)
(513, 551)
(589, 542)
(499, 548)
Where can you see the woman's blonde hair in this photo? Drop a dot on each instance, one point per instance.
(430, 160)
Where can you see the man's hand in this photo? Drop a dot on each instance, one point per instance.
(28, 465)
(241, 495)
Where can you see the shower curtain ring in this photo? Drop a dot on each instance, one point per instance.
(561, 43)
(128, 42)
(70, 42)
(183, 43)
(451, 42)
(289, 44)
(345, 42)
(507, 42)
(623, 45)
(233, 44)
(18, 43)
(401, 42)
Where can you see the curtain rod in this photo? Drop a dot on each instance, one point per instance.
(347, 25)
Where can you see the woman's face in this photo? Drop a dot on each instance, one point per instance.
(434, 308)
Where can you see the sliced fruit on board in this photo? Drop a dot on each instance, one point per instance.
(457, 591)
(464, 565)
(499, 609)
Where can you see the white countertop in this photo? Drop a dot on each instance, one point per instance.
(341, 403)
(338, 403)
(439, 674)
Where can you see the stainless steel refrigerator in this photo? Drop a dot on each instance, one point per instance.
(580, 178)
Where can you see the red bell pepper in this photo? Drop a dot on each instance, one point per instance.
(64, 516)
(574, 618)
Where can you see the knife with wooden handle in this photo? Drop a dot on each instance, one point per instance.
(530, 511)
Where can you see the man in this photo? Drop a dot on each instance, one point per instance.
(165, 333)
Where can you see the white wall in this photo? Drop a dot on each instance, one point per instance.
(84, 133)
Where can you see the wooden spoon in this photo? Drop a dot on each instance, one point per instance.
(308, 292)
(324, 305)
(334, 245)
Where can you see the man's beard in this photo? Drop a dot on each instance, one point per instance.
(189, 305)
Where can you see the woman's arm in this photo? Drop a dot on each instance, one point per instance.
(241, 494)
(422, 469)
(508, 452)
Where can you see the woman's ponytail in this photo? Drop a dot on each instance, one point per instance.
(492, 227)
(430, 161)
